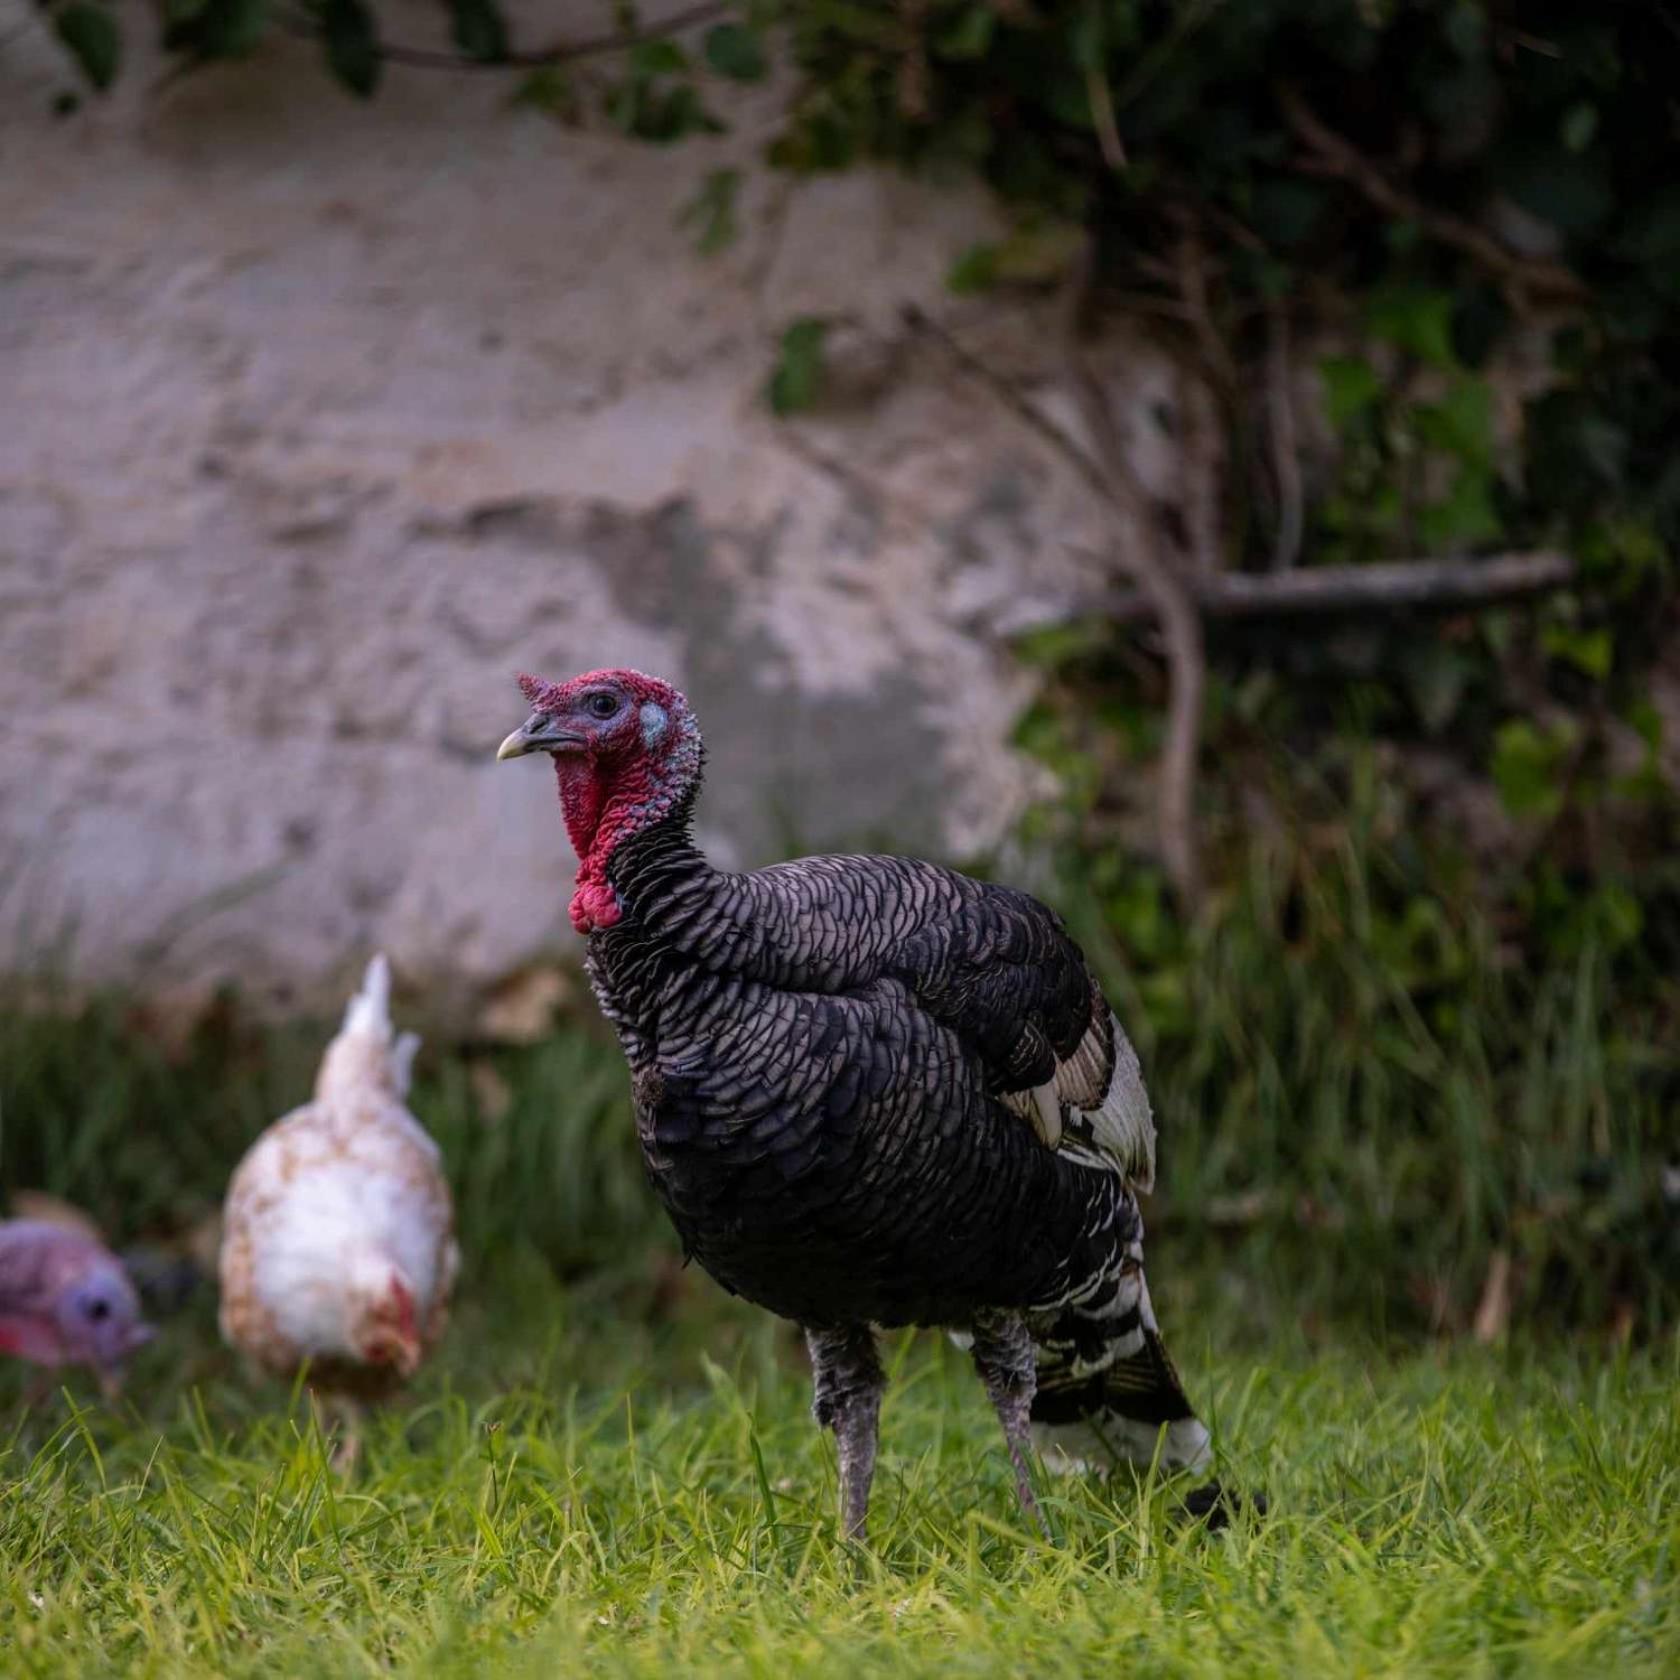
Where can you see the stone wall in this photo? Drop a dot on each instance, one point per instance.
(320, 419)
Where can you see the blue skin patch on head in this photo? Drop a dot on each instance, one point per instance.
(654, 722)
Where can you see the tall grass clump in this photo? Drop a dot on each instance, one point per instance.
(1360, 1080)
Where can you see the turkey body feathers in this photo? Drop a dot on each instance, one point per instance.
(823, 1056)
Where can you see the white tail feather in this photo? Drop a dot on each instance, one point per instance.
(369, 1010)
(367, 1052)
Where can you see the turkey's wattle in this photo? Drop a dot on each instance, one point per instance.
(870, 1092)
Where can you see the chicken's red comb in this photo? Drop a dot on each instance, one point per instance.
(533, 688)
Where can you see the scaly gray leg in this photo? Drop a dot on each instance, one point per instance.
(849, 1384)
(1003, 1355)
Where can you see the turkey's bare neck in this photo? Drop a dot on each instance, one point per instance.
(604, 807)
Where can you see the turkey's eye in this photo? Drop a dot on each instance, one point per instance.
(97, 1310)
(601, 705)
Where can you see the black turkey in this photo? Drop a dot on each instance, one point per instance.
(871, 1092)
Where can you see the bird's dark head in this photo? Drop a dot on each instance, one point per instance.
(627, 752)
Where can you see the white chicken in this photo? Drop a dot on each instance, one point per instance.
(338, 1242)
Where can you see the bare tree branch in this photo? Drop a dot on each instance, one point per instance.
(1338, 159)
(1386, 586)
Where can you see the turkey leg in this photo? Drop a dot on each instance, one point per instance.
(849, 1384)
(1003, 1355)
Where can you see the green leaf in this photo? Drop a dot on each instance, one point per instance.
(92, 37)
(1592, 652)
(1526, 769)
(658, 114)
(1646, 722)
(1052, 647)
(976, 270)
(970, 36)
(1351, 385)
(550, 90)
(213, 29)
(478, 29)
(1571, 190)
(1438, 676)
(1580, 124)
(1465, 516)
(735, 51)
(350, 39)
(657, 58)
(1416, 319)
(1461, 422)
(711, 212)
(796, 380)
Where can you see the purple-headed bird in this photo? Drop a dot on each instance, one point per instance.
(66, 1300)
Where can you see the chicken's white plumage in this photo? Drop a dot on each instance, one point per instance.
(338, 1244)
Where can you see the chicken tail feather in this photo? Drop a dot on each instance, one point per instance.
(367, 1051)
(369, 1010)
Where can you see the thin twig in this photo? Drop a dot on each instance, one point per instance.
(1112, 480)
(537, 58)
(1024, 410)
(1332, 156)
(1200, 435)
(1359, 590)
(1102, 115)
(1140, 548)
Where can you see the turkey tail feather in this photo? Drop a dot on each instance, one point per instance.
(1107, 1388)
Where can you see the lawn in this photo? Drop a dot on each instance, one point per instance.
(623, 1479)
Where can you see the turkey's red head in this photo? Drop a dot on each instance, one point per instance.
(627, 751)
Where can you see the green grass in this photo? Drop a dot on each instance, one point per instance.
(576, 1486)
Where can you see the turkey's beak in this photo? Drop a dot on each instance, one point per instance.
(538, 733)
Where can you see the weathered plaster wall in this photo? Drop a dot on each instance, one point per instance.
(318, 420)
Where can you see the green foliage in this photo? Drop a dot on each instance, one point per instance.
(657, 99)
(94, 40)
(796, 380)
(202, 30)
(1384, 1036)
(478, 29)
(735, 51)
(350, 40)
(710, 214)
(1526, 762)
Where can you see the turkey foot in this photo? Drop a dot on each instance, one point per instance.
(849, 1383)
(1003, 1355)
